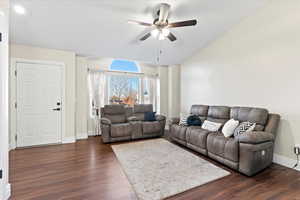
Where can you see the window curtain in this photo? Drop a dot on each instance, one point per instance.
(151, 91)
(97, 94)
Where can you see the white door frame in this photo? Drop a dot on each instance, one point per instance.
(13, 96)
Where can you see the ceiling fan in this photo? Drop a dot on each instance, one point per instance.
(161, 24)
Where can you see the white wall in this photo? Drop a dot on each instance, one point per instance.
(257, 63)
(43, 54)
(81, 98)
(174, 91)
(4, 73)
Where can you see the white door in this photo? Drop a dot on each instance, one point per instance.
(39, 95)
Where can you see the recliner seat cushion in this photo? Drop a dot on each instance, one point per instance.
(197, 136)
(151, 127)
(120, 130)
(224, 147)
(179, 132)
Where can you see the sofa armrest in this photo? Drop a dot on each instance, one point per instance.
(132, 118)
(174, 120)
(105, 121)
(256, 137)
(160, 117)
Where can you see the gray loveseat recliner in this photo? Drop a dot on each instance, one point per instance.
(248, 154)
(120, 123)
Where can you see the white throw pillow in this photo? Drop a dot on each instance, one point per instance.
(229, 127)
(211, 126)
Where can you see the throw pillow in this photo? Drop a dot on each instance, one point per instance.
(183, 119)
(194, 120)
(229, 127)
(244, 127)
(211, 126)
(150, 116)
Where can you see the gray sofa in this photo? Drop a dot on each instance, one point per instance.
(120, 123)
(248, 154)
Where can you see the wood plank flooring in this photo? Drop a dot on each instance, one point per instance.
(89, 170)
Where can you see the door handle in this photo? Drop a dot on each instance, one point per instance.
(56, 109)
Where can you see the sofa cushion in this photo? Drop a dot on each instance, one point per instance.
(114, 109)
(254, 115)
(200, 110)
(120, 130)
(179, 132)
(151, 127)
(196, 136)
(142, 108)
(219, 112)
(224, 147)
(116, 118)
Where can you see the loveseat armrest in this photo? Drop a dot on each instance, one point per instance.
(132, 119)
(256, 137)
(174, 120)
(160, 117)
(105, 121)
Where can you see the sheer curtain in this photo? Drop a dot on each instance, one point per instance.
(97, 94)
(151, 91)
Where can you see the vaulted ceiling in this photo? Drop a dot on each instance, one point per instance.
(99, 28)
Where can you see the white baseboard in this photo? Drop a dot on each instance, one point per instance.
(285, 161)
(7, 191)
(92, 133)
(68, 140)
(81, 136)
(12, 146)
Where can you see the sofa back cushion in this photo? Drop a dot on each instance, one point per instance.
(139, 110)
(219, 114)
(115, 113)
(200, 110)
(253, 115)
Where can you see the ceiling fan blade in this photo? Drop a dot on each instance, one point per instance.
(145, 37)
(172, 37)
(163, 13)
(183, 23)
(139, 23)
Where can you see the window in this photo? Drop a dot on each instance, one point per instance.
(124, 66)
(124, 88)
(123, 84)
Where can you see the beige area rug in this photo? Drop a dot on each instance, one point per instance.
(158, 169)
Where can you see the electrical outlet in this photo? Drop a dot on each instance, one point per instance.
(297, 149)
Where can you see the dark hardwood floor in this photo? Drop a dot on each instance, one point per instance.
(89, 170)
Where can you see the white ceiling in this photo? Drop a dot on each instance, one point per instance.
(99, 28)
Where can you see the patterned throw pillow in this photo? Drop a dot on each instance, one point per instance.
(244, 127)
(183, 119)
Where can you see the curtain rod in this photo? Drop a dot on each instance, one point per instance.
(111, 71)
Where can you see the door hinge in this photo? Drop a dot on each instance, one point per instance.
(1, 174)
(15, 72)
(16, 137)
(16, 105)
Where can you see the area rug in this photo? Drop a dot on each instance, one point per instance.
(158, 169)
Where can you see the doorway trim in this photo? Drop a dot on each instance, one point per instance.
(13, 97)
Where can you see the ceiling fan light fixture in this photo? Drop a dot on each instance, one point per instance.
(165, 32)
(155, 33)
(161, 37)
(20, 9)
